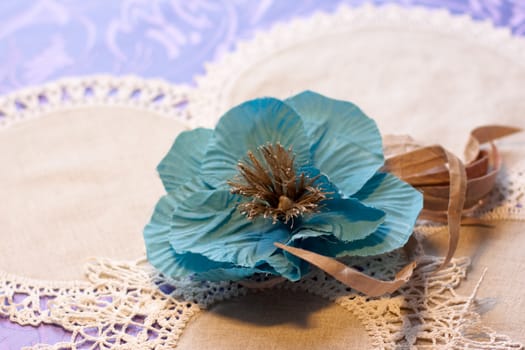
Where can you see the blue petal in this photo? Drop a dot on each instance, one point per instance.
(346, 219)
(208, 223)
(183, 161)
(286, 265)
(289, 267)
(345, 144)
(159, 251)
(322, 180)
(401, 203)
(245, 128)
(162, 255)
(226, 274)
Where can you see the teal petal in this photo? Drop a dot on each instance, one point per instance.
(288, 266)
(162, 255)
(208, 223)
(183, 161)
(401, 203)
(345, 144)
(322, 181)
(346, 219)
(156, 238)
(246, 127)
(226, 274)
(159, 251)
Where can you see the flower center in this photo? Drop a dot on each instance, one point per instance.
(273, 186)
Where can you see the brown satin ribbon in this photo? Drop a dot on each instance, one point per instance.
(421, 162)
(450, 190)
(350, 276)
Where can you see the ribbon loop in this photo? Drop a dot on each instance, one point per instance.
(450, 188)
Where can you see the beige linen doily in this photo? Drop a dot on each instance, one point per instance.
(80, 156)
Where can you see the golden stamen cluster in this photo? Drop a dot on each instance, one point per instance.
(275, 189)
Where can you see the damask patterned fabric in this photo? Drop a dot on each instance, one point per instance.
(43, 40)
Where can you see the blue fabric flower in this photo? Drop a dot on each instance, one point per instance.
(303, 172)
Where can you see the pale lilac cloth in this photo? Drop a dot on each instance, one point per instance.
(42, 40)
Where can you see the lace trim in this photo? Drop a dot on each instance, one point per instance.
(507, 200)
(154, 95)
(129, 304)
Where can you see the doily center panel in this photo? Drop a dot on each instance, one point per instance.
(81, 182)
(288, 319)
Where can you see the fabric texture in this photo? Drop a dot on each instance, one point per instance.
(44, 40)
(483, 68)
(81, 183)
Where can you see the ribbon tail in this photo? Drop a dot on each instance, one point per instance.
(484, 134)
(424, 161)
(458, 191)
(350, 276)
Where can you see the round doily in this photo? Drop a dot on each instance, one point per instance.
(427, 74)
(101, 136)
(81, 155)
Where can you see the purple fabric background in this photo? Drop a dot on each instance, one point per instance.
(42, 40)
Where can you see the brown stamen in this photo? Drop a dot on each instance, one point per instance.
(275, 189)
